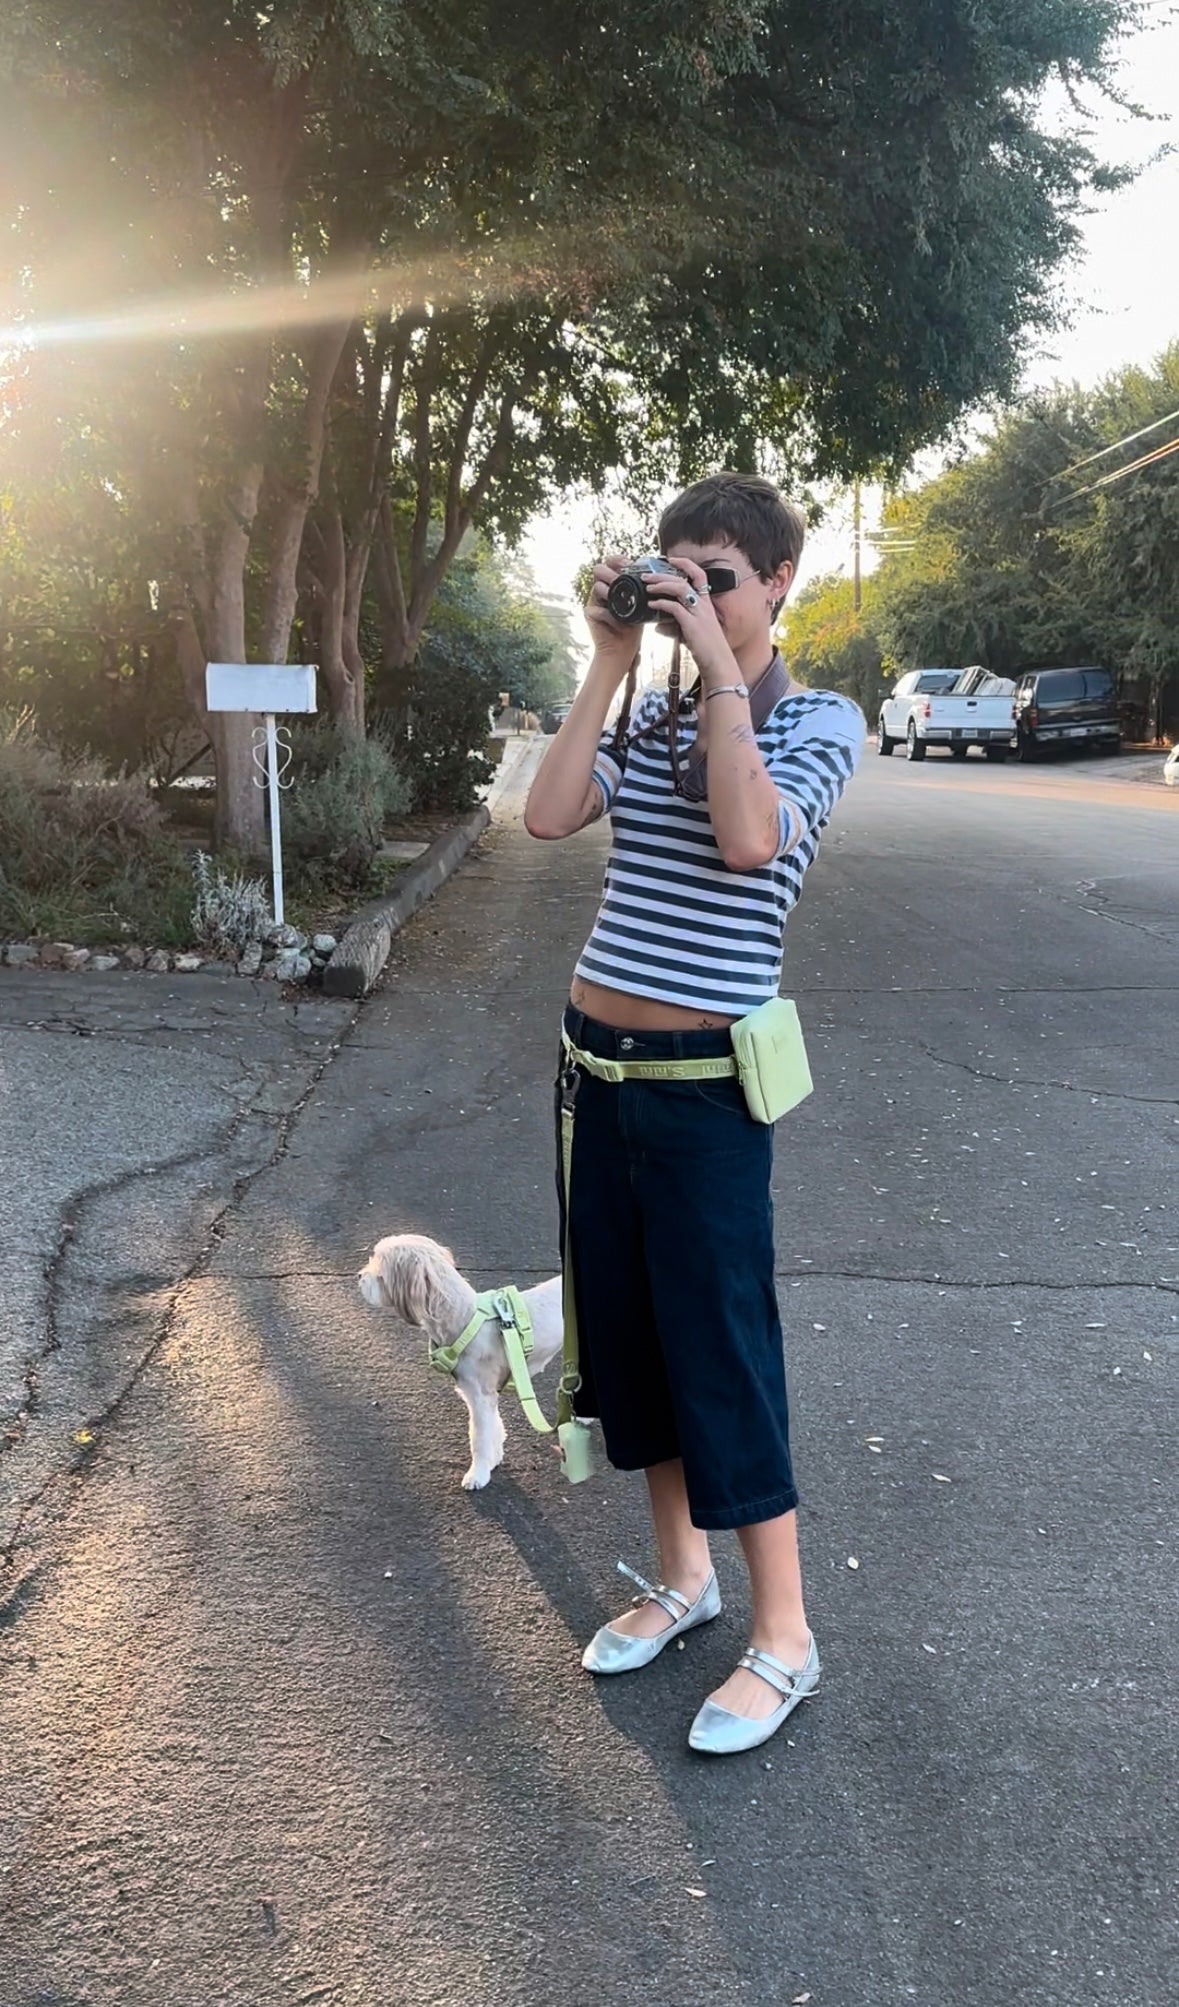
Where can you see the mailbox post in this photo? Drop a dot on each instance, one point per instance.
(265, 688)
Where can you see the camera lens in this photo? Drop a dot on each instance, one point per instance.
(626, 598)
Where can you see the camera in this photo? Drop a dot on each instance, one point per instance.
(627, 598)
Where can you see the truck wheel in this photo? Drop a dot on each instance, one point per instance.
(959, 752)
(884, 744)
(997, 754)
(914, 747)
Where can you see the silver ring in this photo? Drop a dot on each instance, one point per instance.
(690, 597)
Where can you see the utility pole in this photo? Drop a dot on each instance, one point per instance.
(856, 542)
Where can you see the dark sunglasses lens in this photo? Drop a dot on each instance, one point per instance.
(721, 578)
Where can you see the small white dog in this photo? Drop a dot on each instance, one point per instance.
(413, 1276)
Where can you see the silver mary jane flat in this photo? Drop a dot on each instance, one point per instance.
(610, 1651)
(716, 1731)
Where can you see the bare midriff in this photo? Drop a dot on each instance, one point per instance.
(630, 1013)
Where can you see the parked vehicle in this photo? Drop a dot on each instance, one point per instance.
(1074, 707)
(1171, 767)
(957, 708)
(553, 719)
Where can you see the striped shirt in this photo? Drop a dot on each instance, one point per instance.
(675, 923)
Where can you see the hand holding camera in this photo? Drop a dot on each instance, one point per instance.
(616, 645)
(678, 597)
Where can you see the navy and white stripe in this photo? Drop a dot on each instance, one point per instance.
(675, 923)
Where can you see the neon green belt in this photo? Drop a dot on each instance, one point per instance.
(618, 1070)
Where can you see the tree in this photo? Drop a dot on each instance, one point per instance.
(455, 257)
(1049, 545)
(833, 646)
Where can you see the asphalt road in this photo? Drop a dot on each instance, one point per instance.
(288, 1718)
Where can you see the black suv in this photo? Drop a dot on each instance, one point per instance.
(1071, 707)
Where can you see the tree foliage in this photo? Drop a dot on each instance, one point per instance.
(1038, 549)
(317, 273)
(830, 645)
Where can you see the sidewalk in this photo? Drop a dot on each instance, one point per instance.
(1142, 765)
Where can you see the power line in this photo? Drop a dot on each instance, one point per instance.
(1107, 480)
(1116, 447)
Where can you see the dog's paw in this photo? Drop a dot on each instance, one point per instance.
(475, 1479)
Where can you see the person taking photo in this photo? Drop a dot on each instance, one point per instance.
(716, 815)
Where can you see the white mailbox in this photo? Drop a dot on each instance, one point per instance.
(264, 688)
(260, 686)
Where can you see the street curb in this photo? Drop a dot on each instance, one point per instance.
(364, 950)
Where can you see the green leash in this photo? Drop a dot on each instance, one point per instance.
(507, 1306)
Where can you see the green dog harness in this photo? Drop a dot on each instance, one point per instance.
(509, 1310)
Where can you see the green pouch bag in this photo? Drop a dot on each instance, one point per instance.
(577, 1451)
(771, 1059)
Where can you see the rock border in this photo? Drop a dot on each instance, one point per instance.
(282, 954)
(359, 958)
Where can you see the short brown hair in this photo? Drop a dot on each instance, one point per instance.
(746, 510)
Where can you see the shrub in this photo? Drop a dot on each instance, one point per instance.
(345, 791)
(82, 856)
(230, 911)
(448, 724)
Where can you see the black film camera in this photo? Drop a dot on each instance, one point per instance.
(627, 598)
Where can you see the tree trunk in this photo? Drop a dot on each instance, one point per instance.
(398, 649)
(282, 583)
(332, 665)
(355, 573)
(240, 821)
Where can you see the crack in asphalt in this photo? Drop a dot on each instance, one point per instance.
(15, 1427)
(1098, 912)
(1064, 1086)
(1164, 1286)
(135, 1036)
(78, 1465)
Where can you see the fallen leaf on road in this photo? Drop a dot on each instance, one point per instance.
(939, 1479)
(931, 1649)
(875, 1449)
(800, 2000)
(84, 1436)
(697, 1892)
(852, 1562)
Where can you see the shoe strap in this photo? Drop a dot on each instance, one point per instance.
(667, 1599)
(782, 1678)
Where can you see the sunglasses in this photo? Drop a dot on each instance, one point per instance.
(724, 578)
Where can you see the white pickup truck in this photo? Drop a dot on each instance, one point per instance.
(958, 708)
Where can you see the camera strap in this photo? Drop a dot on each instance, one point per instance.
(692, 782)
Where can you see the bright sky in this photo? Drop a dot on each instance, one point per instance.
(1122, 293)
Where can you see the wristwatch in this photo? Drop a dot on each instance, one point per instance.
(728, 690)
